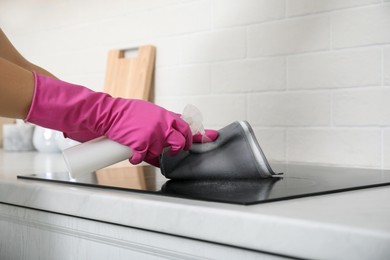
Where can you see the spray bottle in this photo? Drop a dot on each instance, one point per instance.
(102, 152)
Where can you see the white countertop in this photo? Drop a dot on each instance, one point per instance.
(347, 225)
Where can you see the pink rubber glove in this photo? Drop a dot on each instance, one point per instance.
(82, 113)
(81, 136)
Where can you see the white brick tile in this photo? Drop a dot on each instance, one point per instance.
(291, 36)
(386, 68)
(105, 33)
(354, 147)
(142, 5)
(15, 15)
(362, 107)
(55, 42)
(363, 26)
(214, 46)
(91, 81)
(100, 34)
(178, 19)
(272, 142)
(249, 75)
(32, 49)
(130, 28)
(167, 51)
(218, 111)
(335, 69)
(59, 14)
(188, 80)
(85, 62)
(300, 7)
(184, 1)
(94, 10)
(386, 149)
(231, 12)
(289, 109)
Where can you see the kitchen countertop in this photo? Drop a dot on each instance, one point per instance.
(353, 224)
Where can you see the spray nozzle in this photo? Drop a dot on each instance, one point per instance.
(194, 118)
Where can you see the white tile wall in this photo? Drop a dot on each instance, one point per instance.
(386, 148)
(183, 80)
(362, 26)
(349, 147)
(312, 77)
(88, 61)
(249, 75)
(176, 19)
(228, 13)
(214, 46)
(289, 36)
(168, 53)
(289, 109)
(218, 111)
(273, 142)
(301, 7)
(133, 6)
(101, 9)
(365, 107)
(335, 69)
(386, 67)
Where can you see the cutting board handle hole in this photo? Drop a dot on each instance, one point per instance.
(130, 53)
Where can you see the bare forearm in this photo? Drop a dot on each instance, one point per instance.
(16, 80)
(16, 88)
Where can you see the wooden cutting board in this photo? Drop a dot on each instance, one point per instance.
(130, 76)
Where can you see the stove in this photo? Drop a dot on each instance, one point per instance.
(297, 181)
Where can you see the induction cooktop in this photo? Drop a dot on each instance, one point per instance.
(297, 181)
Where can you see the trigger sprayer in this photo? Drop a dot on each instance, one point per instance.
(92, 155)
(194, 119)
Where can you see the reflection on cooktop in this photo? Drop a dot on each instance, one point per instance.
(297, 181)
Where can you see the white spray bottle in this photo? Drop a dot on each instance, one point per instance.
(102, 152)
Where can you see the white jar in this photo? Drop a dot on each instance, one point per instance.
(18, 137)
(45, 140)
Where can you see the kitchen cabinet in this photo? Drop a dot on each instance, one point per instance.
(33, 234)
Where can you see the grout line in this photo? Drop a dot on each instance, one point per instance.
(334, 50)
(287, 76)
(321, 51)
(211, 77)
(246, 43)
(383, 66)
(331, 103)
(337, 10)
(212, 16)
(286, 143)
(382, 148)
(330, 33)
(285, 9)
(246, 107)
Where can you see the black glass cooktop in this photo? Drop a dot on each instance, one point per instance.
(297, 181)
